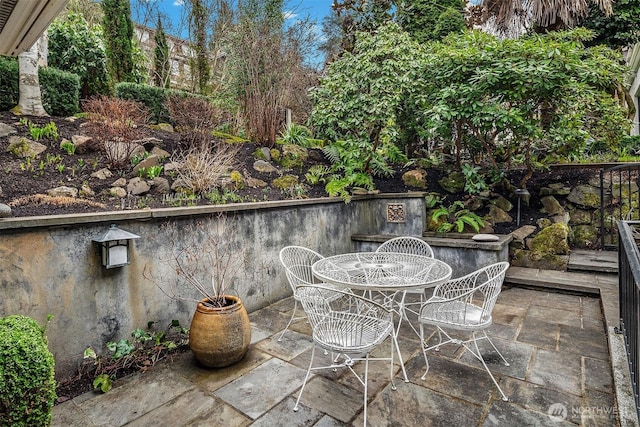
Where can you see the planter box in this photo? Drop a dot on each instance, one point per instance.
(463, 254)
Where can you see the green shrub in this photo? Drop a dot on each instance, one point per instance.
(27, 384)
(60, 91)
(9, 83)
(152, 97)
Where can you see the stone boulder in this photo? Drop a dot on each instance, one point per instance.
(285, 182)
(453, 183)
(416, 178)
(551, 205)
(293, 156)
(497, 215)
(552, 240)
(164, 127)
(254, 182)
(520, 235)
(5, 211)
(120, 182)
(150, 161)
(584, 236)
(6, 130)
(585, 196)
(63, 191)
(502, 203)
(580, 216)
(86, 191)
(555, 189)
(160, 185)
(24, 147)
(137, 186)
(82, 143)
(532, 259)
(102, 174)
(264, 166)
(160, 153)
(118, 192)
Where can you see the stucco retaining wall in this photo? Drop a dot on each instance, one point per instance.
(49, 265)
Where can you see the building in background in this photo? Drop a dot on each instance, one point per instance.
(180, 55)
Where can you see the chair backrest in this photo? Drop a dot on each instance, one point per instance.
(297, 261)
(492, 284)
(344, 321)
(467, 301)
(406, 245)
(488, 282)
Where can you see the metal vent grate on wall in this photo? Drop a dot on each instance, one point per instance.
(6, 8)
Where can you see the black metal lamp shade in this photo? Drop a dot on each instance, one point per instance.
(114, 246)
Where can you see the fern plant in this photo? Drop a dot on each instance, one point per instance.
(316, 174)
(355, 163)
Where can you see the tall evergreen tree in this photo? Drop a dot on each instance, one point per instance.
(198, 23)
(161, 60)
(118, 34)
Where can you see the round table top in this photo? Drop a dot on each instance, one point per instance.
(383, 271)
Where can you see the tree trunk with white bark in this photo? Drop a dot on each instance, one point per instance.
(30, 102)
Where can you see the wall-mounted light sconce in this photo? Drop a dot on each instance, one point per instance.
(520, 192)
(114, 246)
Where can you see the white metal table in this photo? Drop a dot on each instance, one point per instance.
(384, 272)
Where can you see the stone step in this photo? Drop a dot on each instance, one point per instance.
(593, 261)
(553, 280)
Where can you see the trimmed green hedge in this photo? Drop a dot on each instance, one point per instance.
(153, 97)
(27, 384)
(9, 81)
(60, 89)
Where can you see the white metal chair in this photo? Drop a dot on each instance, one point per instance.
(414, 246)
(297, 262)
(350, 326)
(464, 304)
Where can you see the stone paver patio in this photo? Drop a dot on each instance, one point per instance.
(559, 375)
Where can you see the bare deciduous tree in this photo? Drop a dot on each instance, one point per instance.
(202, 259)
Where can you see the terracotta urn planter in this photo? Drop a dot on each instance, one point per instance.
(220, 336)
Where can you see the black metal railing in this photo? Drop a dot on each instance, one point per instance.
(619, 196)
(629, 284)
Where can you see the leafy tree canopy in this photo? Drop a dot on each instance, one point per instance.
(528, 101)
(357, 103)
(620, 29)
(495, 103)
(78, 47)
(429, 20)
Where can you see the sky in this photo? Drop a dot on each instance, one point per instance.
(294, 9)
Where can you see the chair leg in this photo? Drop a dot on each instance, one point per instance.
(313, 352)
(295, 307)
(393, 384)
(479, 356)
(366, 381)
(424, 351)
